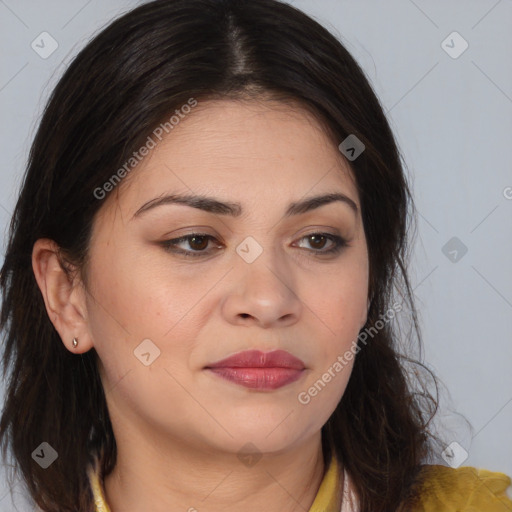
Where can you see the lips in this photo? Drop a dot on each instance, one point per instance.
(258, 359)
(259, 370)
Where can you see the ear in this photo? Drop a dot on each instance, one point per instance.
(63, 295)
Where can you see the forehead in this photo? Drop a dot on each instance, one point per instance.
(253, 152)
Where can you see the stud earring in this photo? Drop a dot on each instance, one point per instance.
(75, 342)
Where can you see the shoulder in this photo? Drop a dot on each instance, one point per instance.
(465, 489)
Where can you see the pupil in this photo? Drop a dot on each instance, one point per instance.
(200, 245)
(314, 238)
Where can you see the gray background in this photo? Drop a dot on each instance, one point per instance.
(452, 119)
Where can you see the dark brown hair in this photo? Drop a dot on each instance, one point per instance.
(124, 83)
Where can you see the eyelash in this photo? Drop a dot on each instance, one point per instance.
(339, 244)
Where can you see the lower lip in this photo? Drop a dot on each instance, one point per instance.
(259, 378)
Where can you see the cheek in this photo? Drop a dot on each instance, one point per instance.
(321, 394)
(342, 309)
(342, 301)
(342, 306)
(129, 296)
(133, 301)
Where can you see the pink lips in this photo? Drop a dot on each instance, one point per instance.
(259, 370)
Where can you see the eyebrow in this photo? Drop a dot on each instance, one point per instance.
(213, 205)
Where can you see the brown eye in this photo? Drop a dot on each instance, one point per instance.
(317, 241)
(195, 244)
(199, 242)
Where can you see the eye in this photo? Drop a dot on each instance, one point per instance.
(196, 242)
(317, 242)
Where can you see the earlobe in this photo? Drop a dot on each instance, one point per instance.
(62, 295)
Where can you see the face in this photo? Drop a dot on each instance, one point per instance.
(263, 272)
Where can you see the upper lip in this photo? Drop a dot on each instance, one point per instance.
(258, 359)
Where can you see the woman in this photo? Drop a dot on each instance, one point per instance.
(198, 292)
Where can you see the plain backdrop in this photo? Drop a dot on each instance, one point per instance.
(448, 97)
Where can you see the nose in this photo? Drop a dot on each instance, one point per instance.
(262, 293)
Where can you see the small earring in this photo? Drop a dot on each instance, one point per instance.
(75, 342)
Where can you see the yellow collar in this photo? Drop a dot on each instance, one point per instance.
(93, 472)
(327, 498)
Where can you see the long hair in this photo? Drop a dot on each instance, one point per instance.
(130, 78)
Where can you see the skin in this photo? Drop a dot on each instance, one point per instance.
(178, 427)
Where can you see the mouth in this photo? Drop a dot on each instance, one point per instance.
(259, 370)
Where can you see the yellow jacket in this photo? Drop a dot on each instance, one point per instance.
(444, 489)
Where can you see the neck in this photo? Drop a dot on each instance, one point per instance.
(171, 476)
